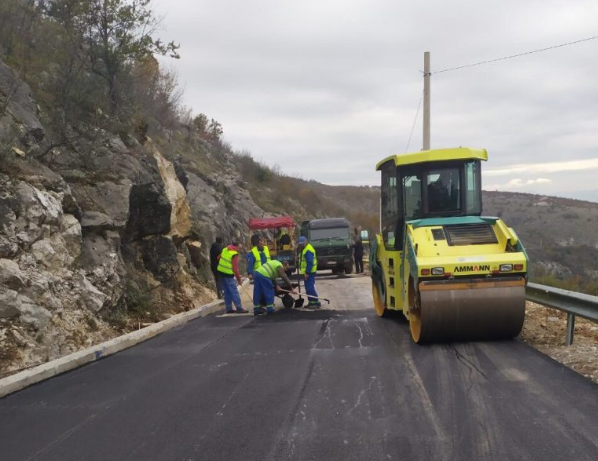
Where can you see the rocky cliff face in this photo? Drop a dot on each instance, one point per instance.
(99, 235)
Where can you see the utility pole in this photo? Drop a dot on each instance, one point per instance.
(427, 100)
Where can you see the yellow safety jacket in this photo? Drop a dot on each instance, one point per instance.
(226, 261)
(303, 266)
(270, 269)
(258, 257)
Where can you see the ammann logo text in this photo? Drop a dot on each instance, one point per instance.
(484, 267)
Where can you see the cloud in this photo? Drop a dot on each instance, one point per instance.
(338, 82)
(553, 167)
(517, 184)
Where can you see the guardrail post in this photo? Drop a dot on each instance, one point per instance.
(570, 328)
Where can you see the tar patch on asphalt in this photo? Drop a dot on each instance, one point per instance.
(295, 315)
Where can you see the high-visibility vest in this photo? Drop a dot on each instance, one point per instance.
(303, 266)
(258, 257)
(270, 269)
(226, 261)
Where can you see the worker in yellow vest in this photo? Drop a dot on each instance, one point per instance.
(265, 285)
(228, 269)
(258, 255)
(308, 265)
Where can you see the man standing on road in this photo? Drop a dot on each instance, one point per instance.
(358, 255)
(264, 285)
(215, 251)
(258, 255)
(228, 270)
(308, 265)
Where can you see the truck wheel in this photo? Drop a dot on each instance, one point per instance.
(348, 268)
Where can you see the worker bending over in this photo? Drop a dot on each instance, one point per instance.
(265, 285)
(258, 255)
(308, 264)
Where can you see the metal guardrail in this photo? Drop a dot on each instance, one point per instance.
(572, 303)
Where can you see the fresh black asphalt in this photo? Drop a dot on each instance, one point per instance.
(336, 384)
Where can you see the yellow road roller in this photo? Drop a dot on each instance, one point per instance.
(454, 274)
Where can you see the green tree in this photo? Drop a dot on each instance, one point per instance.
(210, 130)
(114, 34)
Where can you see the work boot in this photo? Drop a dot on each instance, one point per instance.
(258, 311)
(242, 311)
(313, 306)
(270, 311)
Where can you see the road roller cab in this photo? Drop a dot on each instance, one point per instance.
(454, 274)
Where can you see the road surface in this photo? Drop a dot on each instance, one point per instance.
(334, 384)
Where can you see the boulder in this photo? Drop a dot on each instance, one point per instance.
(11, 276)
(180, 222)
(71, 233)
(91, 298)
(95, 221)
(107, 197)
(194, 248)
(8, 248)
(149, 212)
(12, 304)
(51, 253)
(160, 257)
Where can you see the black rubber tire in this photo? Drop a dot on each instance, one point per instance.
(348, 268)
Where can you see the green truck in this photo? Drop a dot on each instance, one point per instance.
(331, 238)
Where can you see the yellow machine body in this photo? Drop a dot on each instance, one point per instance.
(454, 274)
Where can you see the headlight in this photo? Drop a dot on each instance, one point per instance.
(438, 271)
(506, 267)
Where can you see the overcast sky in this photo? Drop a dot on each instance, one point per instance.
(325, 89)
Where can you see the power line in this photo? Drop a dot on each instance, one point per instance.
(516, 55)
(414, 121)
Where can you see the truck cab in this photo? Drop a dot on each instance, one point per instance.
(331, 238)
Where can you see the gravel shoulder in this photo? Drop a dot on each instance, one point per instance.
(545, 330)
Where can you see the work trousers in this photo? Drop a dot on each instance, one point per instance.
(310, 289)
(218, 280)
(358, 263)
(231, 293)
(263, 291)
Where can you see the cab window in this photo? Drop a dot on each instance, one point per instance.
(444, 189)
(389, 206)
(412, 193)
(473, 188)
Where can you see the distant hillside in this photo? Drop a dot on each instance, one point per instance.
(559, 234)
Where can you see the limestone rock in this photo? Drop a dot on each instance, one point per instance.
(12, 304)
(11, 276)
(180, 223)
(21, 105)
(92, 298)
(149, 212)
(96, 221)
(71, 233)
(160, 257)
(51, 253)
(109, 198)
(194, 248)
